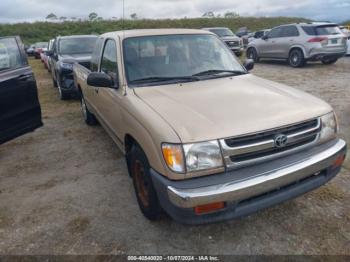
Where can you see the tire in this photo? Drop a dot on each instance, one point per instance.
(89, 117)
(54, 82)
(61, 94)
(296, 58)
(253, 54)
(326, 61)
(145, 193)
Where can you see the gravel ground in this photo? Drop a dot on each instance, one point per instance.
(64, 189)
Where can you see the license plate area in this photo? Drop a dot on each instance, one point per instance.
(333, 41)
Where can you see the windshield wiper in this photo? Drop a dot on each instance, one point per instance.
(219, 71)
(152, 79)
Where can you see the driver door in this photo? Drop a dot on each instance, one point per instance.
(108, 100)
(20, 110)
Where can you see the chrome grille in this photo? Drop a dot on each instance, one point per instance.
(250, 149)
(232, 43)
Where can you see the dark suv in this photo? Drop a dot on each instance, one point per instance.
(20, 111)
(66, 51)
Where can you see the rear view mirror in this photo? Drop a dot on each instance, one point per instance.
(249, 64)
(100, 80)
(49, 53)
(265, 37)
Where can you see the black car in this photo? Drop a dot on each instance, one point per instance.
(66, 51)
(20, 110)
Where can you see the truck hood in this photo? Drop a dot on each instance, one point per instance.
(230, 38)
(77, 57)
(228, 107)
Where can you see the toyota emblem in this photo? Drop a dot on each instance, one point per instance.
(281, 140)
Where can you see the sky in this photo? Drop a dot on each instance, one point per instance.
(13, 11)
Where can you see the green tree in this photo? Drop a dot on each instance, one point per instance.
(93, 16)
(209, 14)
(231, 15)
(51, 16)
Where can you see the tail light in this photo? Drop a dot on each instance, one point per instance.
(318, 40)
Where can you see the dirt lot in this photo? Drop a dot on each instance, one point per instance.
(64, 189)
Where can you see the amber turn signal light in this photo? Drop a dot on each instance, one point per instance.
(338, 162)
(173, 156)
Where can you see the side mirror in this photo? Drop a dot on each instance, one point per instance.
(265, 37)
(49, 53)
(100, 80)
(249, 64)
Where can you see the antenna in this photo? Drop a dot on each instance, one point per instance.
(123, 19)
(123, 28)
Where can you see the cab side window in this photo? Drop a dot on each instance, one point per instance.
(10, 56)
(109, 60)
(276, 32)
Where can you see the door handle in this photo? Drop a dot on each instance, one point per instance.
(96, 90)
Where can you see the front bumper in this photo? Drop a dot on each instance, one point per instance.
(237, 50)
(66, 81)
(249, 189)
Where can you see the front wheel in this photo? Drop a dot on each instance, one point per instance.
(61, 93)
(253, 54)
(145, 192)
(89, 117)
(296, 58)
(328, 61)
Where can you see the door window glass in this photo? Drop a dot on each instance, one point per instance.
(276, 32)
(290, 31)
(10, 56)
(109, 60)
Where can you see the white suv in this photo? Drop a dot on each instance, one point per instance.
(299, 43)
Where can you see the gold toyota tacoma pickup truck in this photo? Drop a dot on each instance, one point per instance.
(205, 140)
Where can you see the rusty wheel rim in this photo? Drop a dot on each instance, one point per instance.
(141, 183)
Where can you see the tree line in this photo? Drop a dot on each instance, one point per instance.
(44, 31)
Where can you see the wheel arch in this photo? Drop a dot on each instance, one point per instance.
(297, 47)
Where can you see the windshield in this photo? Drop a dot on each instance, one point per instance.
(328, 30)
(41, 45)
(221, 32)
(80, 45)
(176, 57)
(322, 30)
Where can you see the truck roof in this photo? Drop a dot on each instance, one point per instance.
(75, 36)
(150, 32)
(219, 27)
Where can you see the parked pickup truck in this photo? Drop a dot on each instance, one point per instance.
(204, 139)
(20, 111)
(65, 51)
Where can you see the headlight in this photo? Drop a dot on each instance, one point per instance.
(203, 156)
(66, 66)
(329, 127)
(192, 157)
